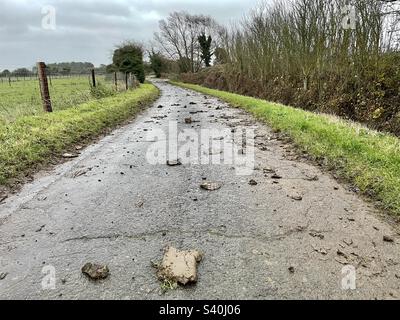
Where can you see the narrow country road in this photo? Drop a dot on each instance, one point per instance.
(285, 232)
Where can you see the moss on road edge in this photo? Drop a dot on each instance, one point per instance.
(368, 159)
(33, 141)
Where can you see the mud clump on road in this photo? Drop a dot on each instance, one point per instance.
(253, 182)
(276, 176)
(179, 266)
(387, 238)
(3, 198)
(174, 163)
(69, 156)
(296, 197)
(211, 186)
(96, 271)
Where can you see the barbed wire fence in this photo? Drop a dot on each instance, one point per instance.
(44, 91)
(17, 77)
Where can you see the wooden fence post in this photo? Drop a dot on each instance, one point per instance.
(93, 78)
(9, 81)
(126, 81)
(116, 81)
(44, 87)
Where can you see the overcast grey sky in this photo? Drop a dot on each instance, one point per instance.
(87, 30)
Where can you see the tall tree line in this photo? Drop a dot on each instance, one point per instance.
(309, 39)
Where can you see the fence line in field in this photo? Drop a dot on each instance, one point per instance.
(44, 80)
(22, 95)
(21, 77)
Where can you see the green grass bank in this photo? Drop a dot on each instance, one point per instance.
(32, 141)
(368, 159)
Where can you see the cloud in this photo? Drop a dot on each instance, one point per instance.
(87, 30)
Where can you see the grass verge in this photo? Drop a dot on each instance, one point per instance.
(368, 159)
(32, 141)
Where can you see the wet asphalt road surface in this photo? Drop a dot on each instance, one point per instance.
(285, 238)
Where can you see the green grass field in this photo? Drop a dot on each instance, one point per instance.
(368, 159)
(22, 98)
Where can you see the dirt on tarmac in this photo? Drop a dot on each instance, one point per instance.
(286, 231)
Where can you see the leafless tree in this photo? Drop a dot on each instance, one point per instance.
(178, 38)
